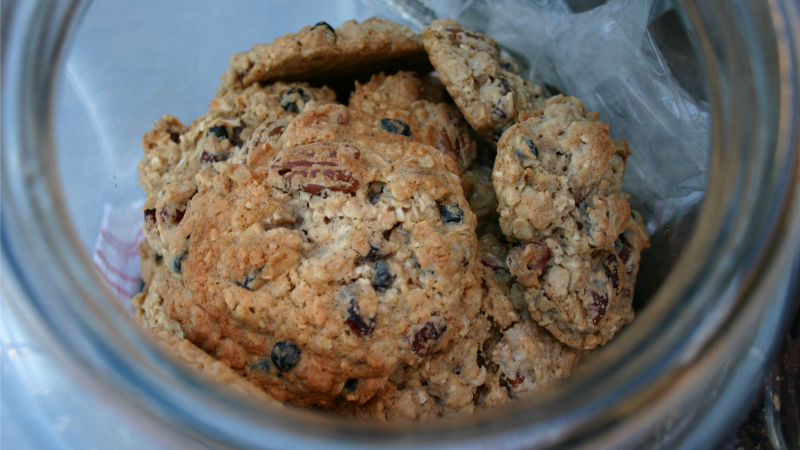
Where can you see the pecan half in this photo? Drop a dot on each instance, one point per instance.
(318, 169)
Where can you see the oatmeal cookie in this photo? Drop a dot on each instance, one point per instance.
(500, 354)
(332, 256)
(180, 161)
(398, 103)
(324, 54)
(558, 176)
(487, 89)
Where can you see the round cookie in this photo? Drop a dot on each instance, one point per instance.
(180, 161)
(398, 103)
(487, 89)
(324, 54)
(332, 256)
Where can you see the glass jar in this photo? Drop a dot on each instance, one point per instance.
(681, 377)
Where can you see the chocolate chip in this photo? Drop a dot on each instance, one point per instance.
(220, 131)
(451, 213)
(208, 157)
(323, 24)
(236, 139)
(285, 355)
(350, 385)
(150, 216)
(532, 146)
(262, 365)
(381, 277)
(423, 339)
(290, 101)
(396, 126)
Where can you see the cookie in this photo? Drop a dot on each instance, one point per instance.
(487, 89)
(398, 103)
(320, 53)
(334, 255)
(558, 178)
(180, 161)
(149, 305)
(500, 354)
(208, 367)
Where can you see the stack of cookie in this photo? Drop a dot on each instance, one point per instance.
(357, 257)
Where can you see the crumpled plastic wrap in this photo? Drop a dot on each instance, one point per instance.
(604, 56)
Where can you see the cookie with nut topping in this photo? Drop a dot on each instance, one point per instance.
(328, 259)
(399, 104)
(181, 161)
(487, 89)
(325, 54)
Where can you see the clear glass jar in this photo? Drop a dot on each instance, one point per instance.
(687, 367)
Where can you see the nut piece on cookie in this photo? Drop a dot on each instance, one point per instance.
(321, 268)
(322, 53)
(180, 161)
(487, 89)
(398, 103)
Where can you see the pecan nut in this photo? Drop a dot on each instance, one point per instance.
(318, 169)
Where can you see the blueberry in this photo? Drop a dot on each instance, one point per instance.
(220, 131)
(382, 277)
(285, 355)
(262, 365)
(351, 385)
(247, 283)
(357, 323)
(508, 65)
(451, 213)
(291, 98)
(323, 24)
(176, 265)
(237, 135)
(532, 146)
(395, 126)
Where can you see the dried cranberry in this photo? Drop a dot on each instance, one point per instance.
(491, 264)
(220, 131)
(323, 24)
(625, 256)
(381, 277)
(350, 385)
(612, 270)
(423, 339)
(150, 216)
(285, 355)
(396, 126)
(208, 157)
(451, 213)
(516, 381)
(527, 262)
(357, 323)
(597, 307)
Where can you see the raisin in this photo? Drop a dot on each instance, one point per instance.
(291, 98)
(176, 137)
(532, 146)
(612, 270)
(220, 131)
(150, 216)
(357, 323)
(597, 307)
(423, 339)
(350, 385)
(236, 139)
(382, 277)
(527, 262)
(285, 355)
(323, 24)
(451, 213)
(208, 157)
(396, 126)
(262, 365)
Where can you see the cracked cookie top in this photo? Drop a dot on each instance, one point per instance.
(328, 258)
(487, 89)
